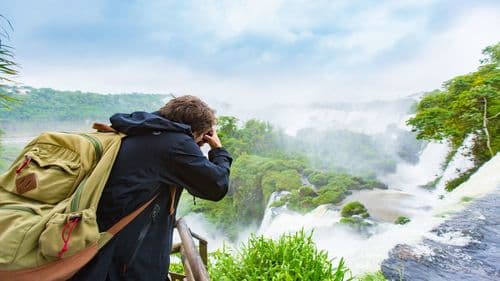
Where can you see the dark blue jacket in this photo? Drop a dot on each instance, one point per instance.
(158, 156)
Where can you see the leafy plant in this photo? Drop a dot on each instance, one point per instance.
(402, 220)
(354, 208)
(290, 257)
(8, 67)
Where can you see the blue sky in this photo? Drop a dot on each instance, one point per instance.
(243, 51)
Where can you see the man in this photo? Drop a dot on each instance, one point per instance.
(160, 155)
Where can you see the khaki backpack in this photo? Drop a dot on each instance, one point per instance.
(48, 202)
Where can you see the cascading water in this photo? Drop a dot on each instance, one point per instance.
(271, 212)
(405, 196)
(464, 247)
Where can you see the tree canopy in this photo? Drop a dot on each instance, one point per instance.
(467, 104)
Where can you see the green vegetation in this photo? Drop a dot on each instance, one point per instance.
(463, 177)
(468, 104)
(377, 276)
(35, 105)
(331, 188)
(291, 257)
(354, 208)
(8, 67)
(176, 265)
(354, 215)
(402, 220)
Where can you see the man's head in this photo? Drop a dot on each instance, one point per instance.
(192, 111)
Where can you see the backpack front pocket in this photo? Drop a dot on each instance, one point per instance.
(47, 173)
(67, 234)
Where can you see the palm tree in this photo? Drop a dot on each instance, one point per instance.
(8, 68)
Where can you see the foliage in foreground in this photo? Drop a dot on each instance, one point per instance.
(8, 67)
(291, 257)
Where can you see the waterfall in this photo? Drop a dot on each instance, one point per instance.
(405, 196)
(272, 212)
(461, 162)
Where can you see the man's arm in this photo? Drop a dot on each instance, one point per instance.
(202, 177)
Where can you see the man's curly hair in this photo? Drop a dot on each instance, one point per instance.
(190, 110)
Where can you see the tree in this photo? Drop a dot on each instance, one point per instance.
(8, 68)
(468, 104)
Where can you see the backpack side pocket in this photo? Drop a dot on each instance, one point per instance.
(67, 234)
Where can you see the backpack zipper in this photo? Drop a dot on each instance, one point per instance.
(97, 145)
(98, 154)
(142, 235)
(76, 199)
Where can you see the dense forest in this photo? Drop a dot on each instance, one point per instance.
(46, 105)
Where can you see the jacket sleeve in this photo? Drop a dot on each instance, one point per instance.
(202, 177)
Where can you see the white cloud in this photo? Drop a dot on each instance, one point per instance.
(327, 27)
(444, 54)
(453, 52)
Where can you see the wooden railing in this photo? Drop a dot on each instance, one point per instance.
(194, 260)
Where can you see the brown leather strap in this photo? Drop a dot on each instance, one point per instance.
(102, 127)
(173, 190)
(58, 270)
(127, 219)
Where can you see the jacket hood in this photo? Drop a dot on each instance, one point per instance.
(140, 123)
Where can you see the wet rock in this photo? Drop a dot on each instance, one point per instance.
(465, 247)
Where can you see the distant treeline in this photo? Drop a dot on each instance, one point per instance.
(45, 104)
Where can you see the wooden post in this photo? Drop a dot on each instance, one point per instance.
(202, 245)
(187, 266)
(188, 250)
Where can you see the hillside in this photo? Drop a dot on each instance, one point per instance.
(49, 105)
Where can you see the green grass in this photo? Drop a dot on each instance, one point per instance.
(289, 258)
(377, 276)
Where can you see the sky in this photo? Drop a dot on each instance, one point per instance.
(250, 52)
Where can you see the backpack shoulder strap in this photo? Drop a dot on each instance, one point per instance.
(128, 218)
